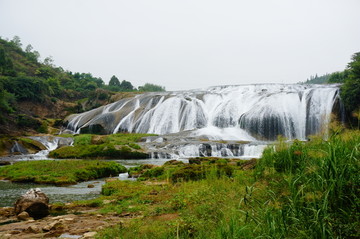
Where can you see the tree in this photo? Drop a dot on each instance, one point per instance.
(6, 100)
(28, 48)
(16, 41)
(126, 86)
(49, 61)
(6, 65)
(350, 90)
(151, 87)
(114, 81)
(338, 77)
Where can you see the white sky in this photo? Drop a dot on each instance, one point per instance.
(189, 44)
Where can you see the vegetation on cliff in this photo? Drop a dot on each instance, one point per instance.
(60, 172)
(24, 78)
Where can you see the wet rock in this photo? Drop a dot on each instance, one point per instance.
(69, 236)
(57, 225)
(34, 202)
(24, 216)
(62, 141)
(3, 163)
(18, 148)
(90, 185)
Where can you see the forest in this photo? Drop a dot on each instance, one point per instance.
(25, 78)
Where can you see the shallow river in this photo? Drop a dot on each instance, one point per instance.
(10, 192)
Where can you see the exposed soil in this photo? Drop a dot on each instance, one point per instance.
(81, 222)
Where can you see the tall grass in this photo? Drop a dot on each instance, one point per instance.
(298, 190)
(321, 184)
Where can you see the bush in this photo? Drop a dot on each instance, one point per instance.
(27, 122)
(350, 90)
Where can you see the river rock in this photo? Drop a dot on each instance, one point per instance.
(89, 235)
(34, 202)
(33, 229)
(23, 216)
(53, 226)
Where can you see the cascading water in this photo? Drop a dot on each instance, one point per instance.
(50, 143)
(246, 113)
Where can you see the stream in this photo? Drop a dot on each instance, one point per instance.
(10, 192)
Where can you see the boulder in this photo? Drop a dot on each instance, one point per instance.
(34, 202)
(24, 216)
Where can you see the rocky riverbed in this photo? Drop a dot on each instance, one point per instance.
(78, 222)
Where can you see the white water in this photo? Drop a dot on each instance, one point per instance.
(49, 142)
(238, 113)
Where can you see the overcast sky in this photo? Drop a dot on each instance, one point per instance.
(189, 44)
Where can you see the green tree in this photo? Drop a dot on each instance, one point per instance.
(6, 100)
(28, 88)
(126, 86)
(151, 87)
(6, 64)
(114, 81)
(49, 61)
(338, 77)
(350, 90)
(16, 41)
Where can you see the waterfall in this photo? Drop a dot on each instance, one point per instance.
(241, 113)
(51, 143)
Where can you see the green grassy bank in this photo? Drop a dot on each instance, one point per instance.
(298, 190)
(59, 172)
(115, 146)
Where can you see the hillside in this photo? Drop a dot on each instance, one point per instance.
(35, 94)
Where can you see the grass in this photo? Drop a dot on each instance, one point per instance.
(59, 172)
(321, 185)
(297, 190)
(119, 146)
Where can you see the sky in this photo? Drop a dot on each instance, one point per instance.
(189, 44)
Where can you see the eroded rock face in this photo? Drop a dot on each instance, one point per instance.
(34, 202)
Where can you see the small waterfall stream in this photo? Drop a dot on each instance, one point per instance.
(49, 142)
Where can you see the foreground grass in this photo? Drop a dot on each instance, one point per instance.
(119, 146)
(59, 172)
(298, 190)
